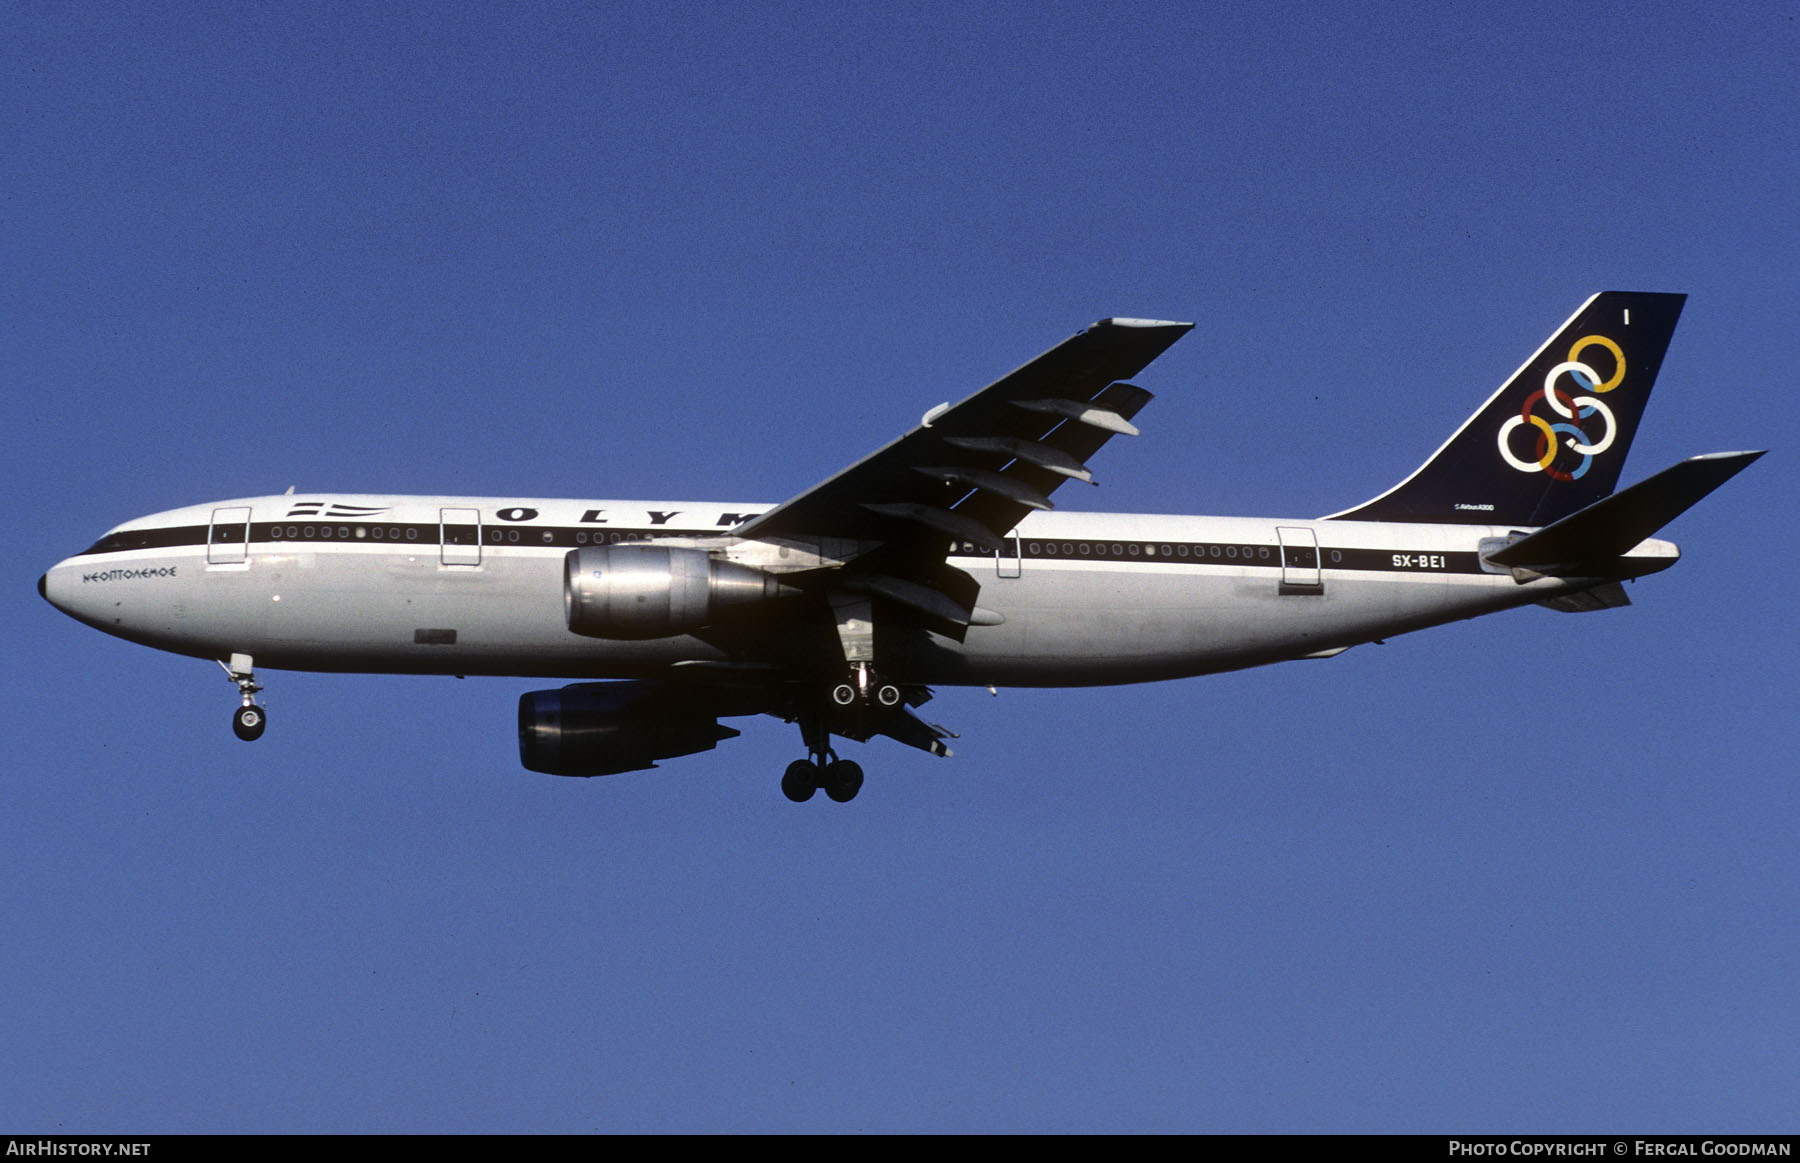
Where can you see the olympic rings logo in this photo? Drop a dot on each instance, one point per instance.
(1574, 411)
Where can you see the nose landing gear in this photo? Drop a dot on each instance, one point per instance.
(249, 720)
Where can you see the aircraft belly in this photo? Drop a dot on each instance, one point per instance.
(356, 611)
(1068, 627)
(503, 617)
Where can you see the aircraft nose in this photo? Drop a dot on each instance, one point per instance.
(53, 589)
(57, 585)
(44, 587)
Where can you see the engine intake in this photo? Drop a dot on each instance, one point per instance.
(608, 727)
(648, 591)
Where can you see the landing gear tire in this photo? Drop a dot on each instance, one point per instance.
(843, 780)
(887, 694)
(843, 694)
(248, 722)
(800, 781)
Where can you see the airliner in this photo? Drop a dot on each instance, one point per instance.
(938, 560)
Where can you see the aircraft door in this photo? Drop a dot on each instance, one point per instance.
(1299, 561)
(459, 535)
(228, 540)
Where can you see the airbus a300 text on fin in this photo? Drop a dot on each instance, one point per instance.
(939, 560)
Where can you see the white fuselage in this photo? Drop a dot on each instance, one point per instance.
(464, 585)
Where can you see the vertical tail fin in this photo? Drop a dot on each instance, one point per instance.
(1553, 438)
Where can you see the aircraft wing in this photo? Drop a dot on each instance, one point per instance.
(972, 470)
(1013, 442)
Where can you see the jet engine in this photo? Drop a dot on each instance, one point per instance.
(648, 591)
(604, 728)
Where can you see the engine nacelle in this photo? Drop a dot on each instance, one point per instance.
(608, 727)
(650, 591)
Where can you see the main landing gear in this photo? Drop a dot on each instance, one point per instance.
(840, 778)
(248, 721)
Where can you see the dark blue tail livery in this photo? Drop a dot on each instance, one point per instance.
(1553, 439)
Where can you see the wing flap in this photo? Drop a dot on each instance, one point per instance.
(903, 726)
(1609, 596)
(946, 521)
(1030, 451)
(998, 483)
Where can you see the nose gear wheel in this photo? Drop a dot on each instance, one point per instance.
(250, 719)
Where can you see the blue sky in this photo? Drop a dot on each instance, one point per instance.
(1535, 872)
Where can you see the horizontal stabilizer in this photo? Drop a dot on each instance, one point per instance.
(1581, 543)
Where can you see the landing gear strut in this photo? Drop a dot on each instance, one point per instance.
(248, 721)
(851, 702)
